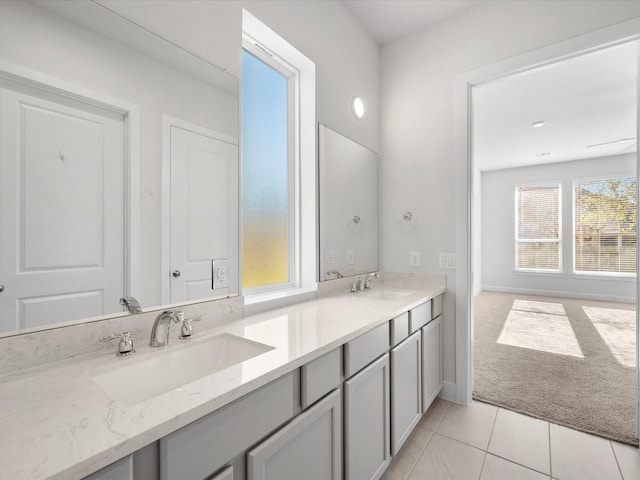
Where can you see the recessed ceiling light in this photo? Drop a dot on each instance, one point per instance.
(538, 124)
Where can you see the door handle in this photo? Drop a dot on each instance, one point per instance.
(176, 273)
(1, 288)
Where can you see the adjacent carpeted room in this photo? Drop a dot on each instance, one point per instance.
(568, 361)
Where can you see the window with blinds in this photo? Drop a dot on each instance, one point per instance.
(538, 227)
(605, 226)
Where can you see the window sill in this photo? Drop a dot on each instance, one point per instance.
(266, 301)
(604, 276)
(538, 273)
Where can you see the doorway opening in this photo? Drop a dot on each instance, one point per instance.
(554, 242)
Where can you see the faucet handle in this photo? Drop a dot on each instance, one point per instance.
(186, 333)
(125, 346)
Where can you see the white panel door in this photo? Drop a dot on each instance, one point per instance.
(204, 185)
(61, 210)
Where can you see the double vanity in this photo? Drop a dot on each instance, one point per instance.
(330, 387)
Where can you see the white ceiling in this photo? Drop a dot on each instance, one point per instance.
(586, 100)
(386, 20)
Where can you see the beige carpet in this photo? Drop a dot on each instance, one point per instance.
(568, 361)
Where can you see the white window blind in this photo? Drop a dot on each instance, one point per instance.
(605, 225)
(537, 227)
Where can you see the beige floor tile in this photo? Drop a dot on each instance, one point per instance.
(628, 459)
(496, 468)
(580, 456)
(404, 461)
(522, 440)
(470, 424)
(434, 414)
(446, 459)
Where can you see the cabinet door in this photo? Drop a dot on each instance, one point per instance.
(308, 447)
(367, 422)
(431, 362)
(406, 385)
(120, 470)
(226, 474)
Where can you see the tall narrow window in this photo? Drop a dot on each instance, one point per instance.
(605, 226)
(538, 227)
(266, 179)
(279, 230)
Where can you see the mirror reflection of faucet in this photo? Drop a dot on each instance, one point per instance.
(131, 304)
(335, 273)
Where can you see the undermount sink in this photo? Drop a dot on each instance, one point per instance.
(386, 294)
(139, 379)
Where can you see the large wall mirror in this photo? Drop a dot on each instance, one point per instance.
(348, 206)
(119, 167)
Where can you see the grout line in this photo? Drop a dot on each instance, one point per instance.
(441, 417)
(459, 441)
(419, 456)
(413, 467)
(493, 426)
(617, 462)
(484, 462)
(518, 463)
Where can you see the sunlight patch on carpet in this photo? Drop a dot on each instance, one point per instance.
(617, 328)
(540, 307)
(540, 331)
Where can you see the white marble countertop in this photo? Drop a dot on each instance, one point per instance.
(57, 423)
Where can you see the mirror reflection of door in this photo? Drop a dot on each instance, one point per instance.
(203, 184)
(62, 212)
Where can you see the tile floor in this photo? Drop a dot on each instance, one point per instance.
(483, 442)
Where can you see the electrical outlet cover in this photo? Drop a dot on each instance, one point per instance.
(220, 274)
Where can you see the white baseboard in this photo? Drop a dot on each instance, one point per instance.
(554, 293)
(448, 391)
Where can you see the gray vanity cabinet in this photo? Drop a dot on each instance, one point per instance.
(203, 447)
(367, 422)
(120, 470)
(226, 474)
(406, 386)
(309, 447)
(432, 381)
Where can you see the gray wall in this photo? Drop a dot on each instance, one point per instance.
(498, 227)
(417, 117)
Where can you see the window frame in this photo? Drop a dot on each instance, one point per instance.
(263, 43)
(537, 271)
(252, 47)
(592, 273)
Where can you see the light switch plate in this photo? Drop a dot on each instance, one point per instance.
(329, 256)
(447, 261)
(414, 259)
(220, 273)
(351, 257)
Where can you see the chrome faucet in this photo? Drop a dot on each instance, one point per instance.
(160, 330)
(364, 281)
(335, 273)
(133, 306)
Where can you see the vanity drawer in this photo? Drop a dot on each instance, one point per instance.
(399, 328)
(204, 446)
(420, 316)
(319, 377)
(365, 349)
(436, 306)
